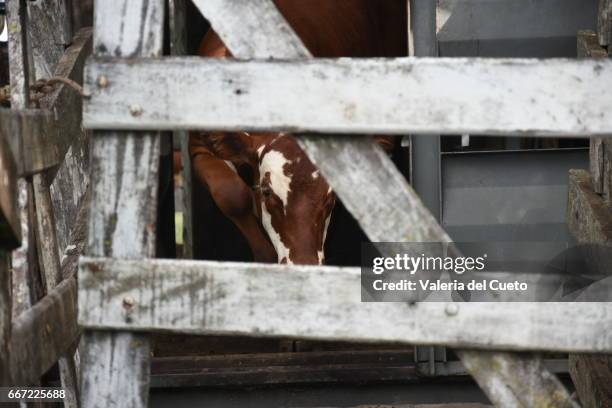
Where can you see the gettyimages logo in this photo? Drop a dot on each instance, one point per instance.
(485, 272)
(412, 264)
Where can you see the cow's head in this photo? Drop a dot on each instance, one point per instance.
(293, 199)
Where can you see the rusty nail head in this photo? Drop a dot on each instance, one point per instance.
(135, 110)
(102, 81)
(128, 302)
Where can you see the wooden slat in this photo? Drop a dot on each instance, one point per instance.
(10, 225)
(588, 217)
(592, 376)
(65, 102)
(406, 95)
(342, 367)
(202, 297)
(590, 221)
(588, 47)
(44, 333)
(178, 46)
(37, 135)
(488, 375)
(124, 169)
(604, 22)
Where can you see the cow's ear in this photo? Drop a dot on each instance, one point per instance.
(386, 142)
(236, 147)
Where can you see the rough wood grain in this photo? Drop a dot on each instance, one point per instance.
(604, 22)
(64, 102)
(71, 177)
(34, 137)
(124, 169)
(203, 297)
(49, 259)
(46, 24)
(19, 65)
(238, 33)
(588, 217)
(592, 376)
(44, 333)
(339, 367)
(405, 95)
(588, 47)
(541, 390)
(590, 221)
(10, 224)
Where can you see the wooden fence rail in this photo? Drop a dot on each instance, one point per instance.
(399, 96)
(201, 297)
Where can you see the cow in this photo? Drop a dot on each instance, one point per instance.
(283, 206)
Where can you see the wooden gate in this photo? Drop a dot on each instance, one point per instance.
(44, 169)
(134, 94)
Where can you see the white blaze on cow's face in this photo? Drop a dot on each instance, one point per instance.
(296, 202)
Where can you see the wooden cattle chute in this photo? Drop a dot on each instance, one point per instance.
(123, 295)
(44, 155)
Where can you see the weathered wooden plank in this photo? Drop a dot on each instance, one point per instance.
(72, 175)
(588, 217)
(540, 391)
(64, 102)
(592, 376)
(344, 367)
(604, 22)
(406, 95)
(44, 333)
(124, 169)
(239, 33)
(588, 47)
(19, 64)
(10, 224)
(590, 221)
(18, 52)
(46, 239)
(224, 298)
(275, 39)
(35, 129)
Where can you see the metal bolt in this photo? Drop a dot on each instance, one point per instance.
(102, 81)
(135, 110)
(128, 302)
(451, 309)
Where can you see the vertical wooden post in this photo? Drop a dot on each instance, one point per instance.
(124, 174)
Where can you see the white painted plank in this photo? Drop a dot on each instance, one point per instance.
(407, 95)
(124, 174)
(204, 297)
(270, 35)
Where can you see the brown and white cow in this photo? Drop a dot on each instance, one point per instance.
(284, 209)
